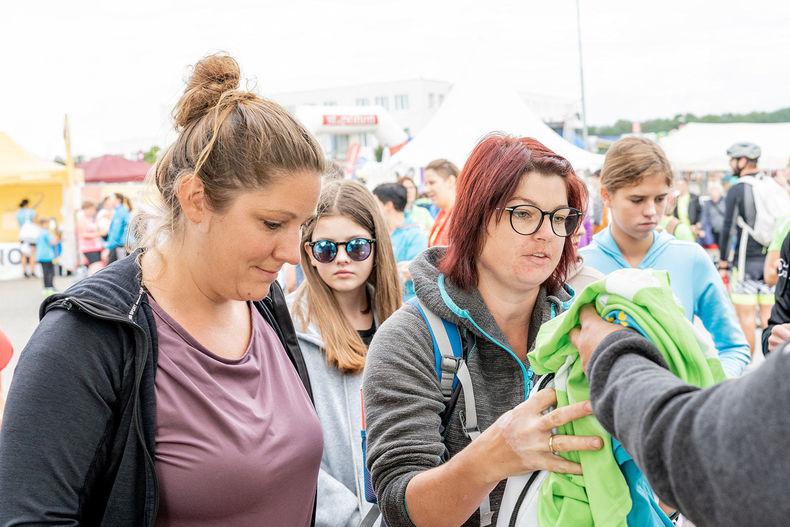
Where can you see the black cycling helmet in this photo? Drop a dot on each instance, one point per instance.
(748, 150)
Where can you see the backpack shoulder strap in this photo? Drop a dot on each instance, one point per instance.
(447, 347)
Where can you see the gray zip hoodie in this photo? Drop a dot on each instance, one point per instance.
(341, 495)
(403, 399)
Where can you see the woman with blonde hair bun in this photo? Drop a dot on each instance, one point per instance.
(168, 389)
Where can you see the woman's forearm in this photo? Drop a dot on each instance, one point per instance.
(447, 495)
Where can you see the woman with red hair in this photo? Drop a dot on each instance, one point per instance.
(502, 276)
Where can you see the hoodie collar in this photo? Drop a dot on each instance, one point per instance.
(466, 308)
(606, 243)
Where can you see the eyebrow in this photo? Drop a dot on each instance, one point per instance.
(526, 201)
(280, 212)
(630, 196)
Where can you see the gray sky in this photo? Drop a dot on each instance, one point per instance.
(117, 68)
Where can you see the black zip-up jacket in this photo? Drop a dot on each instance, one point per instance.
(78, 437)
(780, 313)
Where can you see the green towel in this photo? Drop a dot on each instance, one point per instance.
(639, 298)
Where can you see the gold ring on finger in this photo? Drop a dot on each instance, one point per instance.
(551, 445)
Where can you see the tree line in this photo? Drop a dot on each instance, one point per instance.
(623, 126)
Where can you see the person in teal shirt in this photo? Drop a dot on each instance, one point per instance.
(115, 248)
(46, 254)
(408, 239)
(415, 213)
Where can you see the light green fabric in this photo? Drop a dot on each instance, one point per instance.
(780, 234)
(683, 208)
(601, 496)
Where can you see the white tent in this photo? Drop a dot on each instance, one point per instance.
(473, 109)
(703, 146)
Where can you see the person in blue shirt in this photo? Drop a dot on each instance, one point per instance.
(27, 236)
(115, 248)
(636, 180)
(45, 253)
(408, 239)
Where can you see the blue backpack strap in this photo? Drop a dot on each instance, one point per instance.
(447, 347)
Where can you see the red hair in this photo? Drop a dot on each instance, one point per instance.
(489, 178)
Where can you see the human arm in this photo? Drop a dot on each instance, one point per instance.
(403, 402)
(714, 307)
(770, 271)
(778, 328)
(59, 412)
(696, 447)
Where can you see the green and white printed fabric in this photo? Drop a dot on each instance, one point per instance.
(642, 299)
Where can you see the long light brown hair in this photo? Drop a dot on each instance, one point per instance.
(315, 301)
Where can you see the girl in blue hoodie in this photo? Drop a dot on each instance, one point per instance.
(636, 180)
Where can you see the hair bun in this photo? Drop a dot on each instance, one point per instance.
(211, 77)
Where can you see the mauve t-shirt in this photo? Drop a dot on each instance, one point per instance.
(238, 442)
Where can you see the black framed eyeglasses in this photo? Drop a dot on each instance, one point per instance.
(358, 249)
(527, 219)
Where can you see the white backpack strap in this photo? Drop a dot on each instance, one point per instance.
(452, 367)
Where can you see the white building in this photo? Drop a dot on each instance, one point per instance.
(412, 103)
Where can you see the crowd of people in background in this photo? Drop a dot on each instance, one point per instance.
(180, 360)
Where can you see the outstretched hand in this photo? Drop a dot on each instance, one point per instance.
(593, 330)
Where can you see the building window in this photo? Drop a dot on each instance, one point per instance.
(441, 99)
(383, 101)
(362, 101)
(401, 102)
(330, 103)
(431, 98)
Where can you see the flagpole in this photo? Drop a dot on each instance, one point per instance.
(72, 197)
(581, 74)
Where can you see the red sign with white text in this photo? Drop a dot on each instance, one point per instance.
(350, 120)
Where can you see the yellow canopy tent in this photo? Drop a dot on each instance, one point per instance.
(23, 175)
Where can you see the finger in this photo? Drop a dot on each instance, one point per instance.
(566, 414)
(559, 464)
(563, 443)
(587, 314)
(541, 401)
(574, 337)
(782, 331)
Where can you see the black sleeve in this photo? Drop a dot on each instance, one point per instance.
(730, 212)
(695, 209)
(61, 411)
(780, 314)
(700, 449)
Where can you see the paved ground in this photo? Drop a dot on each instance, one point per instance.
(19, 302)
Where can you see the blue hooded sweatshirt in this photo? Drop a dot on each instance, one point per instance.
(695, 282)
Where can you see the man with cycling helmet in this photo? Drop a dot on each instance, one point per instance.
(747, 286)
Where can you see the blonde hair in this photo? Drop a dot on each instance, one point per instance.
(630, 160)
(233, 140)
(315, 301)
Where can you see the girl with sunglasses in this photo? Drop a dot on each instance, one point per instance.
(351, 286)
(636, 181)
(500, 279)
